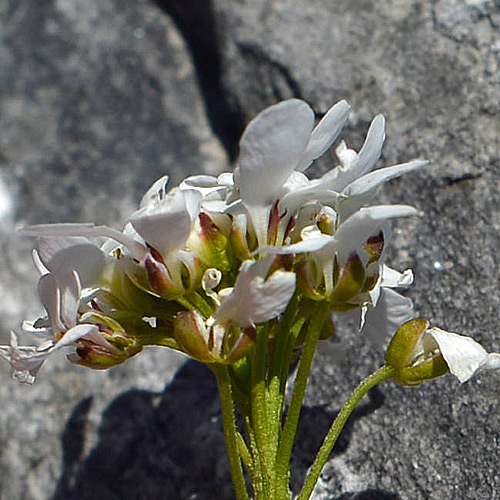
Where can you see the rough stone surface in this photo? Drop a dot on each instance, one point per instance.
(97, 99)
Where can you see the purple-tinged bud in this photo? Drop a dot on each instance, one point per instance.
(272, 227)
(210, 243)
(243, 345)
(160, 279)
(110, 346)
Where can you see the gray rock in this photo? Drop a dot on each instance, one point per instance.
(98, 99)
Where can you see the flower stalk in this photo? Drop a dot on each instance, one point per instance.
(233, 445)
(384, 373)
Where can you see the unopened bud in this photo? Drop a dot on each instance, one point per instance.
(191, 333)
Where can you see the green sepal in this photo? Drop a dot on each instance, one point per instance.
(426, 370)
(350, 283)
(400, 351)
(304, 272)
(414, 361)
(211, 244)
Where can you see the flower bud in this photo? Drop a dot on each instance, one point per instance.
(110, 346)
(415, 354)
(212, 343)
(239, 237)
(210, 243)
(161, 280)
(192, 335)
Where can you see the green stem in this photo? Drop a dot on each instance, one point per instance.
(245, 455)
(260, 422)
(384, 373)
(230, 431)
(200, 303)
(293, 414)
(286, 322)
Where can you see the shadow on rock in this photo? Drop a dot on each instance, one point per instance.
(151, 446)
(171, 445)
(195, 20)
(314, 424)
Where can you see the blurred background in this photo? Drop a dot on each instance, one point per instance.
(99, 98)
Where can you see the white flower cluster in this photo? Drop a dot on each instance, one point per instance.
(198, 267)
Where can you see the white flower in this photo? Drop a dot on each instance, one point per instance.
(27, 360)
(255, 299)
(60, 297)
(464, 356)
(165, 221)
(278, 141)
(420, 353)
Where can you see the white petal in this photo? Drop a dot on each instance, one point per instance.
(356, 165)
(50, 297)
(325, 133)
(205, 184)
(270, 149)
(372, 147)
(293, 200)
(374, 179)
(166, 225)
(254, 300)
(25, 360)
(353, 233)
(192, 199)
(88, 230)
(312, 244)
(74, 334)
(70, 290)
(394, 279)
(390, 312)
(61, 255)
(464, 356)
(492, 361)
(156, 192)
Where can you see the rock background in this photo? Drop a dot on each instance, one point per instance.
(99, 98)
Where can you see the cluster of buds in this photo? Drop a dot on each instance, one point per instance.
(199, 267)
